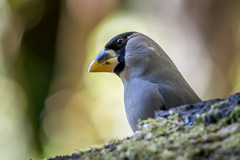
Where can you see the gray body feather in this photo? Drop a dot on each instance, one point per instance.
(151, 80)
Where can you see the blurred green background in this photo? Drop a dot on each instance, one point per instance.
(51, 106)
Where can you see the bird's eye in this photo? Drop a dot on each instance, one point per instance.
(120, 42)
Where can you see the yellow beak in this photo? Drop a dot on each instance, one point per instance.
(105, 61)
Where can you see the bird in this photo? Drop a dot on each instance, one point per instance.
(151, 80)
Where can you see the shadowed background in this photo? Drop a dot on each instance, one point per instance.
(50, 105)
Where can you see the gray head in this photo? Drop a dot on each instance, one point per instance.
(131, 54)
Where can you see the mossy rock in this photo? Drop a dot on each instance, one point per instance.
(205, 130)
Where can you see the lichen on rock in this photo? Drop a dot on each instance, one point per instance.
(205, 130)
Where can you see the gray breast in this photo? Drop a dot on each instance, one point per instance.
(141, 99)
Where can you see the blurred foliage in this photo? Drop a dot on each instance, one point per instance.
(50, 104)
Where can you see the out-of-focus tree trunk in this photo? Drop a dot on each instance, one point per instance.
(34, 64)
(218, 21)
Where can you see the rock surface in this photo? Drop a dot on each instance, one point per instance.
(214, 110)
(205, 130)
